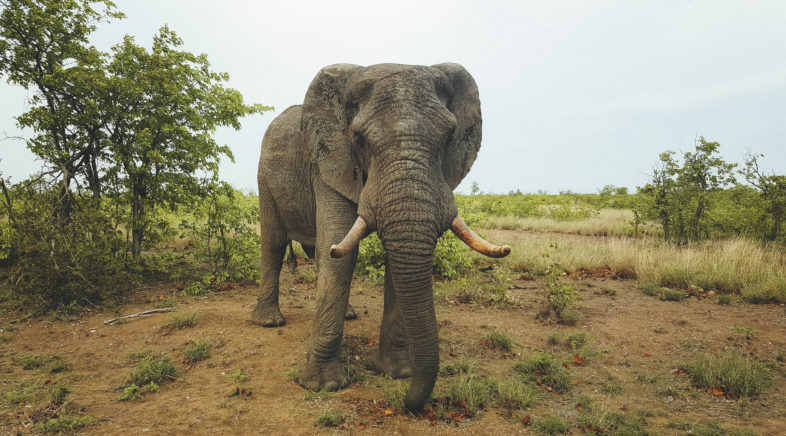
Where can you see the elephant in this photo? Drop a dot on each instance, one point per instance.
(378, 148)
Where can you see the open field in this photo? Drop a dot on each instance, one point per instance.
(628, 366)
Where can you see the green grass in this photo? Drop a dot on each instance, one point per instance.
(330, 418)
(130, 393)
(612, 389)
(499, 340)
(66, 424)
(292, 373)
(672, 295)
(320, 395)
(23, 394)
(543, 368)
(182, 320)
(58, 394)
(594, 421)
(733, 374)
(513, 394)
(4, 338)
(724, 299)
(470, 389)
(156, 369)
(237, 376)
(708, 428)
(394, 392)
(197, 351)
(550, 425)
(30, 361)
(741, 330)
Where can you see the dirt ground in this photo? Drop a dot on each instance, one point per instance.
(640, 342)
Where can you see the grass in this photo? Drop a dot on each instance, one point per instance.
(66, 424)
(544, 369)
(182, 320)
(197, 351)
(330, 418)
(515, 395)
(155, 369)
(612, 389)
(473, 390)
(573, 340)
(731, 374)
(550, 425)
(394, 392)
(292, 373)
(726, 266)
(24, 394)
(30, 361)
(595, 421)
(707, 428)
(486, 288)
(58, 394)
(238, 376)
(499, 340)
(607, 222)
(741, 330)
(724, 299)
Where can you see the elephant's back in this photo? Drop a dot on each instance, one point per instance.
(285, 170)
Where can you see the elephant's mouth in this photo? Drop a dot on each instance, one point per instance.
(359, 230)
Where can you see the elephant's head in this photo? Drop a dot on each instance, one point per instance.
(397, 139)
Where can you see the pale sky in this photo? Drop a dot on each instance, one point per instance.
(574, 95)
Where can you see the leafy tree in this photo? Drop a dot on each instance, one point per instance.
(680, 196)
(772, 191)
(44, 48)
(169, 103)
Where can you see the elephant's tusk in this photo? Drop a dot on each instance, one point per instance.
(355, 234)
(476, 242)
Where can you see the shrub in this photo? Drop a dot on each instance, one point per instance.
(559, 296)
(465, 366)
(224, 229)
(724, 299)
(57, 261)
(730, 373)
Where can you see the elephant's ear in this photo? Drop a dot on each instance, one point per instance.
(324, 125)
(465, 105)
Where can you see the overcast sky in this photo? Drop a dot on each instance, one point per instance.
(574, 95)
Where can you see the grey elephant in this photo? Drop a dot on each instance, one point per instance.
(377, 148)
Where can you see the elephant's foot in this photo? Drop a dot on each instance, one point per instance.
(267, 315)
(329, 376)
(395, 363)
(350, 314)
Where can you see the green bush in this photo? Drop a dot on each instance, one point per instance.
(197, 351)
(330, 418)
(153, 369)
(58, 261)
(223, 227)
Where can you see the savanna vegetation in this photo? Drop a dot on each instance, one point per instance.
(130, 199)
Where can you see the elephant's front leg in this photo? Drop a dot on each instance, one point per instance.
(324, 369)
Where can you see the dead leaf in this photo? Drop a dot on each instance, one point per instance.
(525, 420)
(577, 360)
(716, 392)
(647, 354)
(388, 412)
(361, 426)
(549, 388)
(574, 382)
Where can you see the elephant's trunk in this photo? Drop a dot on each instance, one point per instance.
(413, 213)
(410, 263)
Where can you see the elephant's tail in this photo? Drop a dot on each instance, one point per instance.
(291, 258)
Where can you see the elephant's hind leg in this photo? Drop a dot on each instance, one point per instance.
(273, 242)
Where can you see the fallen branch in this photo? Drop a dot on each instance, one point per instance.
(145, 313)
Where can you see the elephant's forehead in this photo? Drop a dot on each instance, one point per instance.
(381, 71)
